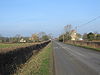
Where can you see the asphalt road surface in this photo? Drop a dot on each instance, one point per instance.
(72, 60)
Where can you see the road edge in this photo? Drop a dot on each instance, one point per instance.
(54, 73)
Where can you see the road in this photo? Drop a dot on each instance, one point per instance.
(72, 60)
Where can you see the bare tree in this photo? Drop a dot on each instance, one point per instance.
(68, 28)
(41, 34)
(34, 38)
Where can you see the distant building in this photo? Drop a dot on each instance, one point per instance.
(80, 39)
(73, 35)
(34, 38)
(22, 40)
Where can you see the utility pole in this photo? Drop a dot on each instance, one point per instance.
(63, 38)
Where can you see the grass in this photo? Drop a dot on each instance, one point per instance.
(9, 45)
(6, 47)
(97, 49)
(40, 64)
(88, 47)
(3, 45)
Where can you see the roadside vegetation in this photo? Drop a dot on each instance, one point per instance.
(40, 64)
(88, 47)
(11, 60)
(89, 40)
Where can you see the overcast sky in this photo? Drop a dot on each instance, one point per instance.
(29, 16)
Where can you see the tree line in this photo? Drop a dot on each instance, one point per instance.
(36, 37)
(91, 36)
(71, 33)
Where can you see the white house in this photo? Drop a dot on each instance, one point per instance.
(73, 35)
(22, 40)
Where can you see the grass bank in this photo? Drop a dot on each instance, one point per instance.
(40, 64)
(88, 47)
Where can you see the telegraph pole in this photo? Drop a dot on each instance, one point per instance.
(63, 38)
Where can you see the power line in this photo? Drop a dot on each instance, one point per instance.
(90, 21)
(85, 24)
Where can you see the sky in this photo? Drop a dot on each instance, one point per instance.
(26, 17)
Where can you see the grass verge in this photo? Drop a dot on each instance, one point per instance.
(96, 49)
(40, 64)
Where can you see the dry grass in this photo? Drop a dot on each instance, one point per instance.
(88, 47)
(86, 44)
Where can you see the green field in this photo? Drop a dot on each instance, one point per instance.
(9, 45)
(3, 45)
(40, 64)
